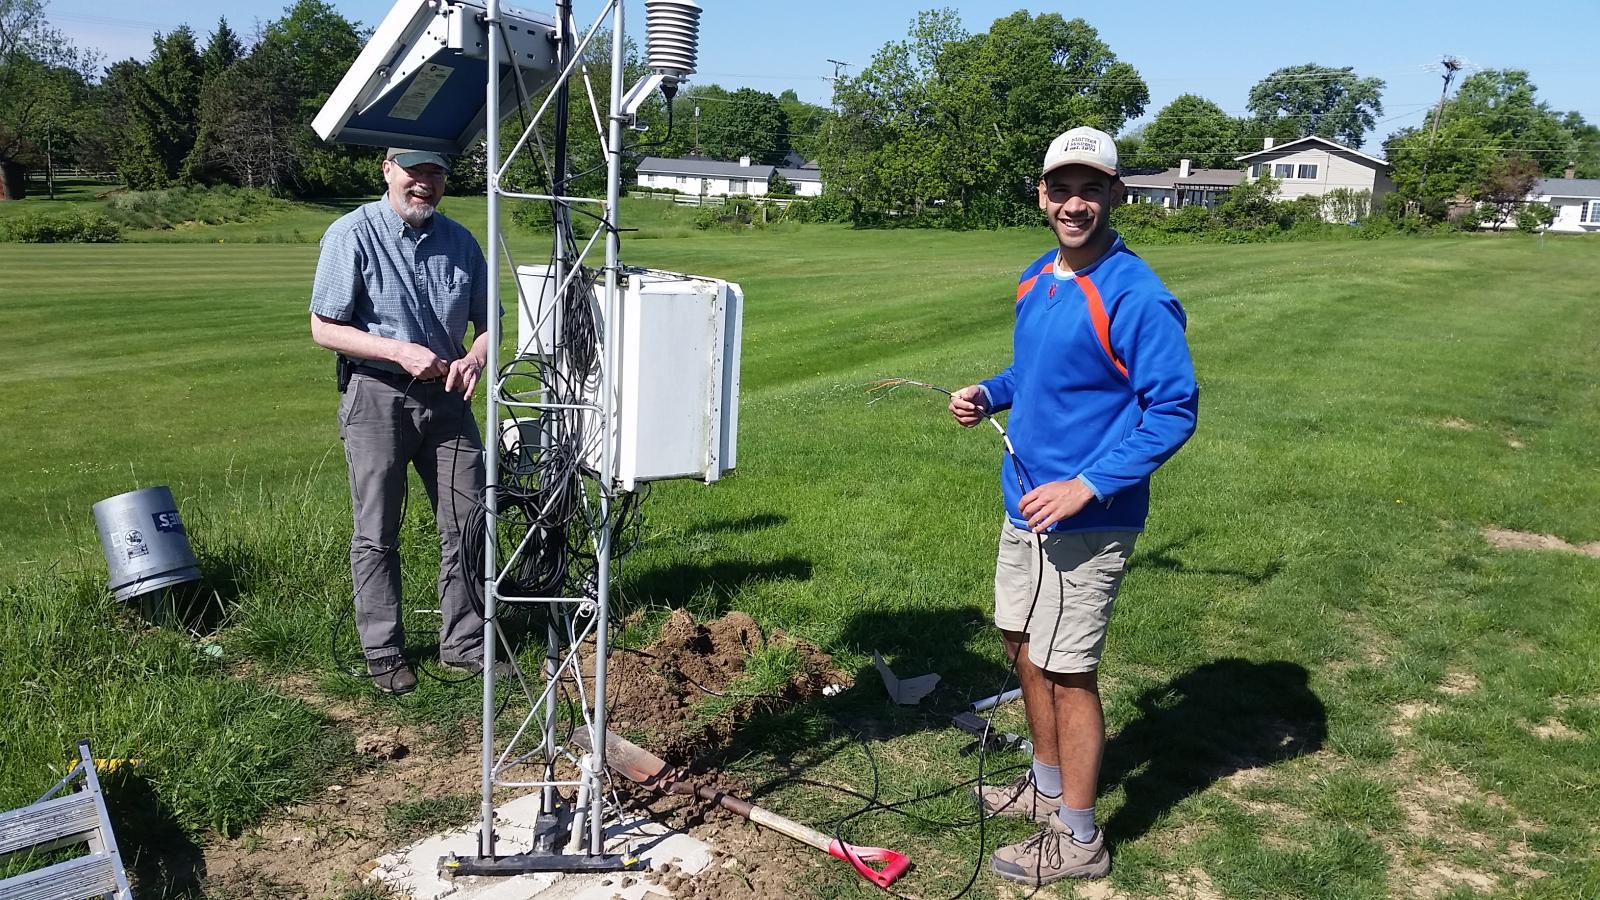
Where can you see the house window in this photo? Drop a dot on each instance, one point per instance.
(683, 179)
(1307, 171)
(738, 185)
(1259, 169)
(1283, 170)
(1591, 212)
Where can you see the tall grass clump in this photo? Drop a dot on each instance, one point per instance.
(214, 751)
(173, 207)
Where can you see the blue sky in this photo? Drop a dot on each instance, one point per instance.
(1179, 48)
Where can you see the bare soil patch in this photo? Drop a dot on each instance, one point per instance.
(1507, 539)
(1456, 684)
(662, 694)
(659, 695)
(1458, 424)
(325, 845)
(1555, 729)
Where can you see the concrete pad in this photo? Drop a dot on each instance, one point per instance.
(414, 870)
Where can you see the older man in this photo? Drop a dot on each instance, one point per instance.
(1101, 391)
(396, 286)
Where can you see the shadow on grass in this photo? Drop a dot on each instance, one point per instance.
(161, 858)
(1222, 717)
(708, 587)
(755, 522)
(1163, 557)
(1207, 723)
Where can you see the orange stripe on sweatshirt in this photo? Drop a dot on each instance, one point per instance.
(1026, 286)
(1102, 321)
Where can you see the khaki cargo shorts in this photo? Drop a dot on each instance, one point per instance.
(1064, 610)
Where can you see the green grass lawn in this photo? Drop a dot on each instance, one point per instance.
(1321, 681)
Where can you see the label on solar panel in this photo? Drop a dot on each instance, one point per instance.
(430, 78)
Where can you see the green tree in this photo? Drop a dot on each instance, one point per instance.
(806, 123)
(1505, 105)
(251, 126)
(311, 46)
(44, 86)
(163, 101)
(1190, 127)
(1331, 102)
(223, 49)
(747, 122)
(1493, 113)
(1585, 153)
(960, 122)
(778, 184)
(1442, 168)
(1507, 186)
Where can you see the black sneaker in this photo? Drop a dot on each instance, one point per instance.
(392, 675)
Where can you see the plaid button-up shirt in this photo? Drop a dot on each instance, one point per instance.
(420, 285)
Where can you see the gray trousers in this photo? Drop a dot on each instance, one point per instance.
(386, 427)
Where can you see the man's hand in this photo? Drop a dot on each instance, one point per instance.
(969, 405)
(463, 376)
(419, 362)
(1048, 504)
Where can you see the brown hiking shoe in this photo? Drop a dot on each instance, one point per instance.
(1019, 798)
(392, 675)
(1052, 855)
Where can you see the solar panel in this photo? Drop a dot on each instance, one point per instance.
(421, 81)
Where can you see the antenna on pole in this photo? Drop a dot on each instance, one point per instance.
(838, 74)
(1451, 66)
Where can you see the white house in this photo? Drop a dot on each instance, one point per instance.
(713, 177)
(1576, 202)
(1314, 166)
(705, 176)
(806, 179)
(1183, 186)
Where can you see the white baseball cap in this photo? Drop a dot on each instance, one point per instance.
(1083, 146)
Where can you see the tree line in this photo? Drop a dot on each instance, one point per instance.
(230, 111)
(950, 126)
(943, 124)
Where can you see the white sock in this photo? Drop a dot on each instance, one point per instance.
(1046, 779)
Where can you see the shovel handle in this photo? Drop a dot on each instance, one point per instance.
(858, 857)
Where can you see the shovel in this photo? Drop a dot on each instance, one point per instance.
(640, 765)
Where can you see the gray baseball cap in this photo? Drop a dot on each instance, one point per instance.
(409, 158)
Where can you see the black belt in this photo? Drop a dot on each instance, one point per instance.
(397, 380)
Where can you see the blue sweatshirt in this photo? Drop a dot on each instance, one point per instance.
(1100, 388)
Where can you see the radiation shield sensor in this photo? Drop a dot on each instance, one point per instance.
(420, 81)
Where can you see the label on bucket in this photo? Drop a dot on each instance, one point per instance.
(133, 544)
(168, 522)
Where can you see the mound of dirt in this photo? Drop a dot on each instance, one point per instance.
(686, 692)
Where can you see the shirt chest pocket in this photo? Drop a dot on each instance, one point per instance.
(448, 284)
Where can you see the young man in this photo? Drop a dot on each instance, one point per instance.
(396, 286)
(1101, 391)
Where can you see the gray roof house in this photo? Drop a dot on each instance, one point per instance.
(656, 165)
(1314, 166)
(1183, 186)
(1576, 202)
(694, 175)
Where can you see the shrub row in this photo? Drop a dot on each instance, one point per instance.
(69, 227)
(168, 208)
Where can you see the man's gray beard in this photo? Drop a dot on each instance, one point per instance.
(417, 216)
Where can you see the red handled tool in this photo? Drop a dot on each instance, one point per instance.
(640, 765)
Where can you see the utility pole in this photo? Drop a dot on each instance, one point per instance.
(838, 72)
(696, 129)
(49, 161)
(1451, 67)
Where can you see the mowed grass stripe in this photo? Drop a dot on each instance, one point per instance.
(1314, 554)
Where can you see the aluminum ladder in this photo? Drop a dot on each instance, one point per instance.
(59, 819)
